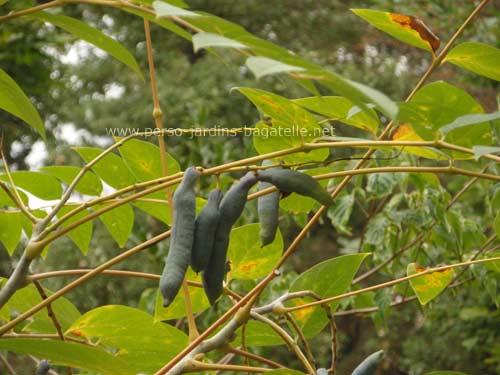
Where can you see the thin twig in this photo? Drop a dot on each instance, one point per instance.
(302, 339)
(254, 357)
(201, 367)
(52, 316)
(390, 283)
(288, 340)
(42, 336)
(17, 197)
(7, 365)
(485, 245)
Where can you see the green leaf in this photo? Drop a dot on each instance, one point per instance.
(82, 234)
(6, 200)
(469, 120)
(89, 184)
(248, 259)
(10, 229)
(159, 209)
(27, 297)
(479, 58)
(165, 23)
(264, 66)
(163, 9)
(340, 212)
(259, 334)
(291, 126)
(177, 3)
(39, 184)
(439, 104)
(144, 160)
(119, 222)
(177, 309)
(428, 286)
(327, 279)
(445, 373)
(370, 95)
(338, 108)
(407, 29)
(66, 353)
(496, 224)
(357, 92)
(111, 168)
(480, 151)
(284, 372)
(145, 344)
(205, 40)
(493, 265)
(92, 35)
(473, 313)
(15, 101)
(380, 184)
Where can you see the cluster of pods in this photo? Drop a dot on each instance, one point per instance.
(202, 241)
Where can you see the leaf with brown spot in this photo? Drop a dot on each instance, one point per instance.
(249, 260)
(408, 29)
(420, 27)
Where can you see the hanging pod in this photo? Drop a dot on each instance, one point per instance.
(291, 181)
(205, 226)
(369, 364)
(230, 209)
(268, 210)
(43, 367)
(181, 238)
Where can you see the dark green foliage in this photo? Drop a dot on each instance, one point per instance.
(181, 240)
(290, 181)
(268, 209)
(43, 368)
(231, 207)
(370, 364)
(204, 231)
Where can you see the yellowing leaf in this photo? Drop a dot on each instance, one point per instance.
(329, 278)
(405, 132)
(428, 286)
(248, 260)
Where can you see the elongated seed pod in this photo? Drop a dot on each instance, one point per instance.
(205, 226)
(181, 238)
(43, 367)
(268, 207)
(369, 364)
(290, 181)
(321, 371)
(230, 209)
